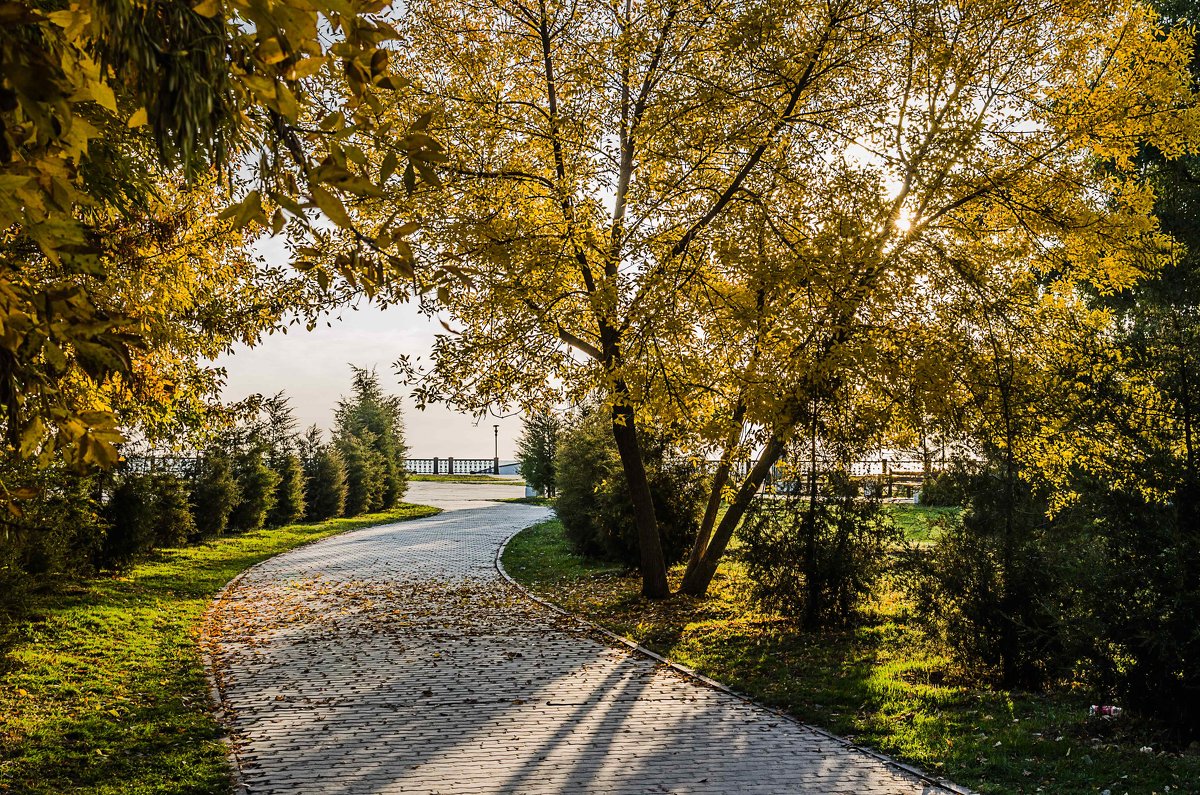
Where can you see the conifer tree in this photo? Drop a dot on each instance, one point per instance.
(370, 437)
(536, 450)
(289, 494)
(214, 493)
(280, 436)
(324, 477)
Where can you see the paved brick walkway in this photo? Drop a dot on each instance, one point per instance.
(394, 660)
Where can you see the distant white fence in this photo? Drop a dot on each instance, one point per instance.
(453, 466)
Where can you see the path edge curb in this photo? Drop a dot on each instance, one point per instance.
(216, 695)
(696, 676)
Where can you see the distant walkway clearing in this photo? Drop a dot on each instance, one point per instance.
(394, 659)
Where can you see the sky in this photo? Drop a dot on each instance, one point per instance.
(313, 368)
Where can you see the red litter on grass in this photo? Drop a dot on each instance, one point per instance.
(1103, 711)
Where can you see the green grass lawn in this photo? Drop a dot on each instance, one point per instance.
(104, 690)
(466, 479)
(920, 523)
(545, 502)
(882, 683)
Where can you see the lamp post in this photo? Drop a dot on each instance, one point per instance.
(496, 450)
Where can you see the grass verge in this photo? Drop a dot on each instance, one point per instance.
(545, 502)
(505, 481)
(882, 683)
(920, 523)
(104, 690)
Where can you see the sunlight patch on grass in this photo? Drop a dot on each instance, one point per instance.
(883, 682)
(503, 481)
(104, 691)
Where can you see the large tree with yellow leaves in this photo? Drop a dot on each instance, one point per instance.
(713, 213)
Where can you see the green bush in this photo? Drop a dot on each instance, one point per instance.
(816, 559)
(289, 494)
(324, 484)
(173, 522)
(950, 488)
(60, 529)
(1004, 585)
(131, 516)
(370, 436)
(256, 484)
(214, 494)
(15, 584)
(536, 450)
(1146, 599)
(57, 534)
(593, 499)
(365, 472)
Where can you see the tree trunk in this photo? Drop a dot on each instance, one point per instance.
(654, 566)
(720, 478)
(698, 577)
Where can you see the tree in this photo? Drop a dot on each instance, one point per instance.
(370, 436)
(365, 473)
(173, 522)
(96, 116)
(282, 441)
(256, 483)
(1119, 452)
(781, 195)
(671, 107)
(215, 492)
(536, 450)
(129, 513)
(289, 494)
(324, 477)
(829, 292)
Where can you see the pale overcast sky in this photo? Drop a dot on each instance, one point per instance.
(313, 368)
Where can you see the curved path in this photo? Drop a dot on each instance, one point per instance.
(394, 659)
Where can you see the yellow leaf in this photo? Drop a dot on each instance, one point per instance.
(307, 68)
(138, 119)
(331, 205)
(103, 94)
(206, 8)
(270, 51)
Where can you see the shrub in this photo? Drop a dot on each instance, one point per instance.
(289, 494)
(131, 517)
(1003, 584)
(324, 484)
(365, 471)
(593, 499)
(173, 522)
(59, 531)
(816, 557)
(256, 484)
(214, 493)
(14, 587)
(1146, 598)
(58, 534)
(950, 488)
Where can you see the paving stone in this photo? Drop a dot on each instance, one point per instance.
(394, 659)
